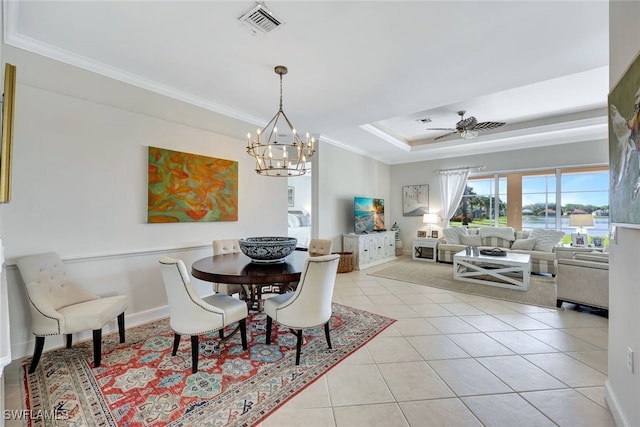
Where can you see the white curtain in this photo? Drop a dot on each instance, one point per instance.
(452, 185)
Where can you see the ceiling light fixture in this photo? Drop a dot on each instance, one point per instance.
(469, 134)
(278, 158)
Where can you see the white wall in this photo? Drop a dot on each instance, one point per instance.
(623, 387)
(80, 186)
(302, 192)
(343, 175)
(578, 154)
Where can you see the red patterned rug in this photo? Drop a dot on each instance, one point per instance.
(139, 383)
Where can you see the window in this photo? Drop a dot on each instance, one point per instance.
(583, 190)
(478, 205)
(539, 201)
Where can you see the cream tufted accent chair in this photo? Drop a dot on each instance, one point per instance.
(60, 306)
(228, 246)
(310, 304)
(192, 315)
(320, 247)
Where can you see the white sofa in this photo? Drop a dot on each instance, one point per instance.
(538, 244)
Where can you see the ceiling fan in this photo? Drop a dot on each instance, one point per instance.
(468, 128)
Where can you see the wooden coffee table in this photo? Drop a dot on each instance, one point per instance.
(511, 271)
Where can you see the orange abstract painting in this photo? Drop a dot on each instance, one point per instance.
(186, 187)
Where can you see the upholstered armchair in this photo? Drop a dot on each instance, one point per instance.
(194, 316)
(584, 279)
(310, 304)
(319, 247)
(228, 246)
(59, 306)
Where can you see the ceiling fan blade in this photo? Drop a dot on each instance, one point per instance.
(469, 122)
(445, 135)
(487, 125)
(449, 129)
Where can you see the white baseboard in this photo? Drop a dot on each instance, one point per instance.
(614, 406)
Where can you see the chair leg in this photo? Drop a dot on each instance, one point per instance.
(269, 330)
(326, 334)
(243, 333)
(176, 343)
(194, 354)
(37, 352)
(221, 333)
(298, 346)
(121, 326)
(558, 303)
(69, 340)
(97, 347)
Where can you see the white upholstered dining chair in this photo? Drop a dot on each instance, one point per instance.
(228, 246)
(60, 306)
(192, 315)
(310, 304)
(319, 247)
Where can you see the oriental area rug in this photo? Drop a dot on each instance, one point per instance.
(139, 383)
(542, 289)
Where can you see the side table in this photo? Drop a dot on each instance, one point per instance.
(425, 249)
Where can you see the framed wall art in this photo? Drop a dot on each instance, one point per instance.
(415, 200)
(6, 147)
(624, 149)
(291, 192)
(185, 187)
(422, 233)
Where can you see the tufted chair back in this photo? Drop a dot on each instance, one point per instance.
(47, 283)
(320, 247)
(226, 246)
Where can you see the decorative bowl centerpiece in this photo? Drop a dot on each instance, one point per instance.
(267, 249)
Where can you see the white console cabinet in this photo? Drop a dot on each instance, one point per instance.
(370, 249)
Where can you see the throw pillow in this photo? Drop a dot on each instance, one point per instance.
(294, 220)
(471, 240)
(305, 220)
(524, 244)
(452, 234)
(545, 239)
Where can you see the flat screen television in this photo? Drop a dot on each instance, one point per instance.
(368, 214)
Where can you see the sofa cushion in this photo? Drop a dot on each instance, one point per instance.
(471, 240)
(496, 242)
(452, 234)
(545, 239)
(524, 244)
(505, 233)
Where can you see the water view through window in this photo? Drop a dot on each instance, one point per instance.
(580, 192)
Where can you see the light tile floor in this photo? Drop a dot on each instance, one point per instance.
(451, 359)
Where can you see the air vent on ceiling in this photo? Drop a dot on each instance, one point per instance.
(260, 19)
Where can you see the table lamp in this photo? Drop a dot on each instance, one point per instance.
(430, 219)
(580, 221)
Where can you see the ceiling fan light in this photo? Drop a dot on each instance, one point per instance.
(469, 134)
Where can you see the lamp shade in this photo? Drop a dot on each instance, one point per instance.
(430, 218)
(581, 220)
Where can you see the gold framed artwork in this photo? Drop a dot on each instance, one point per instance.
(8, 101)
(185, 187)
(422, 233)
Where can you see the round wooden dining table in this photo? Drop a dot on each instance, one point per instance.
(240, 270)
